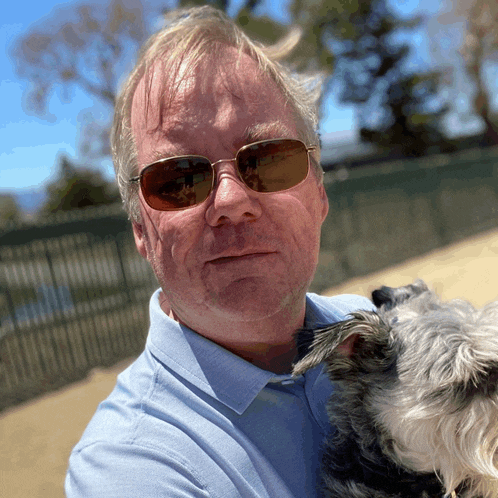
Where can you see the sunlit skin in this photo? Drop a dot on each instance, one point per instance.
(235, 268)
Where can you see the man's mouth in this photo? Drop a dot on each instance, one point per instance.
(240, 257)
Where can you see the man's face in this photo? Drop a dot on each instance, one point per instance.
(240, 255)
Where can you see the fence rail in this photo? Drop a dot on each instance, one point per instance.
(382, 215)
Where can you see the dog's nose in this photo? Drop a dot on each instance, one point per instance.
(383, 296)
(389, 297)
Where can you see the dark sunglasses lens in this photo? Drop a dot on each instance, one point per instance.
(177, 183)
(273, 165)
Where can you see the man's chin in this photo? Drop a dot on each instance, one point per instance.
(249, 299)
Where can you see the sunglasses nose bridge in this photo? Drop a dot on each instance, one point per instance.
(216, 172)
(223, 161)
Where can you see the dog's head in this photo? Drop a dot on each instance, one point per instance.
(361, 342)
(440, 345)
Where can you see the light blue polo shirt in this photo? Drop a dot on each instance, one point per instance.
(190, 419)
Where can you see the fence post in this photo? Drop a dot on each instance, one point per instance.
(122, 268)
(10, 306)
(59, 306)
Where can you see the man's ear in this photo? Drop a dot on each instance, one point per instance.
(140, 242)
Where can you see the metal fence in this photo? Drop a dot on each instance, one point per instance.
(382, 215)
(69, 301)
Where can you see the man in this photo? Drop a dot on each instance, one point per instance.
(217, 158)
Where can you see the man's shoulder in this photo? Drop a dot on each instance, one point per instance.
(331, 309)
(133, 436)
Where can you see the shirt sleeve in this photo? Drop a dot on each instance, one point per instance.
(127, 471)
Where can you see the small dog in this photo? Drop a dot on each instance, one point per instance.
(415, 406)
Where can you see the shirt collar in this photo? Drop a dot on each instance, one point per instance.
(211, 368)
(216, 371)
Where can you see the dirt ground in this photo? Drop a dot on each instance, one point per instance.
(37, 437)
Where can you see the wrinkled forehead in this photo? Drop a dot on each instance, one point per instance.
(169, 89)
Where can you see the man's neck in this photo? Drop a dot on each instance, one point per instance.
(268, 343)
(276, 359)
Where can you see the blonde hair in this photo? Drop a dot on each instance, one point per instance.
(190, 36)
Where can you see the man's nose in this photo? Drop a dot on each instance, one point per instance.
(232, 201)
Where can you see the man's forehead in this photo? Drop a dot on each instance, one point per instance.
(253, 133)
(156, 87)
(232, 101)
(168, 90)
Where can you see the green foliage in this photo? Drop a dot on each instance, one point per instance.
(397, 109)
(409, 129)
(261, 28)
(10, 212)
(77, 187)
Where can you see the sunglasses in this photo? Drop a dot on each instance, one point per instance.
(180, 182)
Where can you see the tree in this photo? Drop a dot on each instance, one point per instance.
(81, 47)
(398, 109)
(472, 26)
(481, 46)
(77, 187)
(89, 47)
(411, 129)
(10, 211)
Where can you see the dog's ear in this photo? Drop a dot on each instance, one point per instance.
(349, 339)
(389, 297)
(316, 346)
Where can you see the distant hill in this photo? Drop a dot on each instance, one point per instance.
(30, 200)
(336, 152)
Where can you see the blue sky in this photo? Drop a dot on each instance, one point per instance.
(30, 145)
